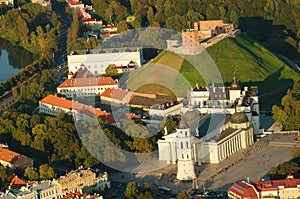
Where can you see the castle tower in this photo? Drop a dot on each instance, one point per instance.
(185, 155)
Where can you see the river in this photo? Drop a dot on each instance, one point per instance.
(13, 59)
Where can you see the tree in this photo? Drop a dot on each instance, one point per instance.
(289, 114)
(111, 70)
(31, 174)
(131, 190)
(122, 26)
(147, 188)
(150, 15)
(5, 176)
(169, 124)
(46, 172)
(146, 195)
(183, 195)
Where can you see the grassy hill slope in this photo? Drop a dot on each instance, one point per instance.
(253, 64)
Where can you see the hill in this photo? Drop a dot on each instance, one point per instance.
(253, 64)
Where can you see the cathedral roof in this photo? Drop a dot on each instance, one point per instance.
(190, 115)
(238, 118)
(182, 124)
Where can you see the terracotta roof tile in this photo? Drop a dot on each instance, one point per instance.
(8, 155)
(75, 2)
(17, 182)
(244, 190)
(89, 81)
(81, 108)
(264, 185)
(113, 93)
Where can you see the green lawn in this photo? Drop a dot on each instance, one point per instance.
(254, 65)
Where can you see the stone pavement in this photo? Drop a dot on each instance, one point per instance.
(254, 162)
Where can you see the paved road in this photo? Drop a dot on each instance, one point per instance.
(60, 57)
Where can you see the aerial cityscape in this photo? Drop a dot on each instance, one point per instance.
(140, 99)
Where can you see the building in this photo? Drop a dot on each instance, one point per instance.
(235, 135)
(220, 99)
(75, 4)
(107, 31)
(16, 182)
(83, 87)
(77, 195)
(14, 160)
(136, 99)
(86, 16)
(287, 188)
(167, 109)
(116, 96)
(83, 180)
(203, 30)
(185, 152)
(232, 134)
(9, 3)
(97, 60)
(41, 190)
(53, 105)
(242, 190)
(45, 3)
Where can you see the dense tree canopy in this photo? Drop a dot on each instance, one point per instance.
(289, 114)
(5, 176)
(274, 23)
(32, 28)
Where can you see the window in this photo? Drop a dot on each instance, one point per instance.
(185, 133)
(187, 144)
(181, 145)
(187, 156)
(182, 156)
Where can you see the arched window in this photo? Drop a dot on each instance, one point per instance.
(187, 156)
(185, 133)
(187, 144)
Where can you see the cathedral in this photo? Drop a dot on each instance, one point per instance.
(218, 122)
(188, 146)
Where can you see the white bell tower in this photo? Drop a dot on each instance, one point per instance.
(185, 155)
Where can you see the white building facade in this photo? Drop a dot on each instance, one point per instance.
(83, 87)
(218, 99)
(186, 150)
(96, 61)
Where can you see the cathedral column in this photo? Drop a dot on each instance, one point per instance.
(234, 149)
(240, 142)
(231, 146)
(235, 143)
(227, 149)
(224, 150)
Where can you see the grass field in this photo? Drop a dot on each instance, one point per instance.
(254, 65)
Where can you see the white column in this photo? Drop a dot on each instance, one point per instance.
(227, 148)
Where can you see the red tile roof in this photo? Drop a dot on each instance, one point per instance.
(74, 2)
(244, 190)
(113, 93)
(268, 185)
(8, 155)
(81, 108)
(131, 116)
(89, 81)
(16, 182)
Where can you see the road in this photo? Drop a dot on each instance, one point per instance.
(60, 57)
